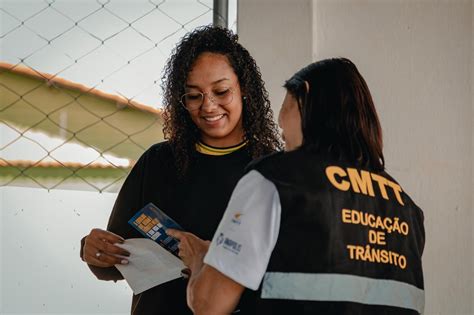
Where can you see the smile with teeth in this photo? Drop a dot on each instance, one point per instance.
(213, 118)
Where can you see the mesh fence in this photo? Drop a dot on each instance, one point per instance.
(80, 86)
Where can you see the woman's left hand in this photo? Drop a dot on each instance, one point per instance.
(191, 248)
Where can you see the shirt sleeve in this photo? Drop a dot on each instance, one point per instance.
(248, 231)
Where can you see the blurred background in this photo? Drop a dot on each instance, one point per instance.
(80, 100)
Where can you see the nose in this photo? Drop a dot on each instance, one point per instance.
(208, 103)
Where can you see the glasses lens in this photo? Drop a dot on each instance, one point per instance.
(192, 100)
(223, 97)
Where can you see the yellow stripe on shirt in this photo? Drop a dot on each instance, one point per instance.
(206, 149)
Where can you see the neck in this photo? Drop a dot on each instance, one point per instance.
(222, 143)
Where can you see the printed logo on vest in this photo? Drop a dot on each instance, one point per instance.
(236, 218)
(228, 244)
(220, 239)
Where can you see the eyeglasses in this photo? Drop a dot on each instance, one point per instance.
(194, 100)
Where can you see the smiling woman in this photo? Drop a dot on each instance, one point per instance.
(218, 110)
(187, 71)
(217, 117)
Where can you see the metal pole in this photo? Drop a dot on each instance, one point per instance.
(221, 9)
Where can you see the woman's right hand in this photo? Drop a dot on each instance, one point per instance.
(99, 249)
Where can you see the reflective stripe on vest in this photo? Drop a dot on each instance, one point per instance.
(342, 288)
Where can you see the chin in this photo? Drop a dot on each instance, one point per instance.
(217, 134)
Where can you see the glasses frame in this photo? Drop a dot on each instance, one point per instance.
(211, 97)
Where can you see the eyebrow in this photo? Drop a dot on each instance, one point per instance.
(215, 82)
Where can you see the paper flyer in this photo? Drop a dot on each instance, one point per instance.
(153, 260)
(149, 265)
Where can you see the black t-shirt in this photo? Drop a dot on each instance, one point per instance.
(196, 201)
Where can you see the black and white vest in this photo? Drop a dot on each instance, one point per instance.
(350, 240)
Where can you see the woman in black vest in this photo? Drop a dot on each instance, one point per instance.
(217, 118)
(320, 228)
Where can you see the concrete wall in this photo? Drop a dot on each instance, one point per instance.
(278, 35)
(472, 145)
(417, 59)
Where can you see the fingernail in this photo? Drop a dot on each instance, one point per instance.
(124, 262)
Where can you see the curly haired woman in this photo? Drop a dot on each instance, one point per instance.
(217, 119)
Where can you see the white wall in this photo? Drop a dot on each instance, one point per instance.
(417, 59)
(41, 272)
(267, 29)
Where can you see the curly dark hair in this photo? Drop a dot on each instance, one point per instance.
(260, 131)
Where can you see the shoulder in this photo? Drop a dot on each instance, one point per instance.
(263, 161)
(275, 160)
(406, 197)
(161, 150)
(157, 155)
(163, 147)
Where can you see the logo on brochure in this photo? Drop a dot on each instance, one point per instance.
(152, 223)
(229, 244)
(236, 218)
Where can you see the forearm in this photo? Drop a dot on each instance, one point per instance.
(211, 293)
(195, 270)
(200, 302)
